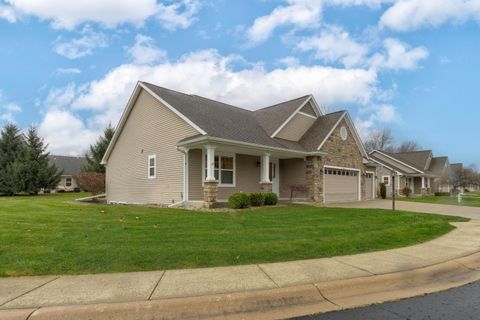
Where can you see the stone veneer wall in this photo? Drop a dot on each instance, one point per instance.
(340, 153)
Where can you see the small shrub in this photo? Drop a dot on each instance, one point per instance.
(239, 200)
(76, 189)
(93, 182)
(271, 199)
(442, 194)
(383, 190)
(407, 191)
(257, 199)
(466, 190)
(61, 190)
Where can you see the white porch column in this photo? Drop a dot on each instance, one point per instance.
(423, 182)
(265, 168)
(210, 163)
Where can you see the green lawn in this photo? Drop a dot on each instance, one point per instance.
(48, 235)
(471, 199)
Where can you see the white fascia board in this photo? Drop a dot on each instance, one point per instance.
(178, 113)
(291, 116)
(121, 122)
(316, 107)
(246, 144)
(331, 131)
(403, 163)
(128, 109)
(356, 136)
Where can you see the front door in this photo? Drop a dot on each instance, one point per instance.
(273, 175)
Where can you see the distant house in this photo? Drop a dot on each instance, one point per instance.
(174, 148)
(70, 166)
(419, 170)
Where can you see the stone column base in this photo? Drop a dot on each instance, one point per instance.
(210, 193)
(314, 178)
(424, 191)
(265, 187)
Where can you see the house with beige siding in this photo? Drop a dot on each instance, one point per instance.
(69, 166)
(181, 149)
(423, 173)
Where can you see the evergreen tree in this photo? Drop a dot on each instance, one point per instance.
(12, 153)
(97, 150)
(38, 173)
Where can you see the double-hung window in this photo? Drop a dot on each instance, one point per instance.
(224, 170)
(152, 166)
(386, 180)
(68, 181)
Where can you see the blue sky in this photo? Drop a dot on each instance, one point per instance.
(409, 65)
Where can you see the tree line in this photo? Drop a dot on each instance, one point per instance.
(24, 165)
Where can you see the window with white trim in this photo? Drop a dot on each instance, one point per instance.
(386, 180)
(224, 170)
(68, 181)
(152, 166)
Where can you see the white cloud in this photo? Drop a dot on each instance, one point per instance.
(297, 13)
(335, 45)
(180, 14)
(8, 110)
(205, 73)
(144, 51)
(398, 56)
(68, 14)
(66, 133)
(373, 115)
(81, 47)
(350, 3)
(407, 15)
(209, 74)
(64, 71)
(108, 13)
(7, 13)
(289, 61)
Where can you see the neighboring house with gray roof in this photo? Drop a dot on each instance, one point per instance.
(174, 148)
(70, 167)
(419, 170)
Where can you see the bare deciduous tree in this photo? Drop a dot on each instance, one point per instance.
(381, 140)
(408, 146)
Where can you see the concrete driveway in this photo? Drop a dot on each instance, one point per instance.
(444, 209)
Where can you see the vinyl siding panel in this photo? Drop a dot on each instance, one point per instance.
(151, 128)
(195, 188)
(247, 176)
(308, 108)
(296, 127)
(292, 171)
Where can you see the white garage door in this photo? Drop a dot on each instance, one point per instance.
(341, 185)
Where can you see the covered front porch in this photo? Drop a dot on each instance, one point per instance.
(216, 169)
(419, 184)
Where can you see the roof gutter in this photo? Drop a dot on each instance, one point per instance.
(248, 144)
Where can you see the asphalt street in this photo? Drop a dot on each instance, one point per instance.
(455, 304)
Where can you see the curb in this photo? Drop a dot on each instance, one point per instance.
(275, 303)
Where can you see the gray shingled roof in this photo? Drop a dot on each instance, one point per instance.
(236, 123)
(69, 165)
(416, 159)
(272, 117)
(437, 165)
(243, 125)
(319, 130)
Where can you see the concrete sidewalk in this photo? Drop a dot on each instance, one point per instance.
(27, 294)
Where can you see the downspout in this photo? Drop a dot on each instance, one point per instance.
(185, 179)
